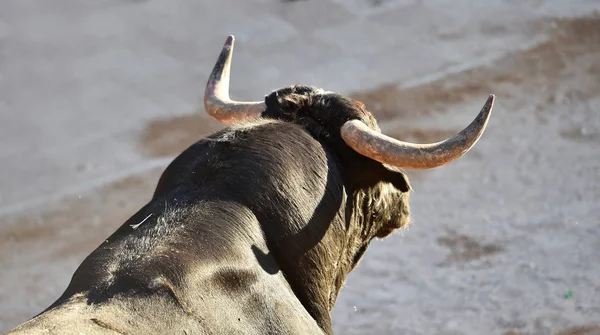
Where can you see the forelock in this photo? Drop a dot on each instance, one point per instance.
(329, 109)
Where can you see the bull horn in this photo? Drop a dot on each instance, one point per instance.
(216, 96)
(387, 150)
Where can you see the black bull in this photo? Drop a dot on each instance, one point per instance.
(252, 230)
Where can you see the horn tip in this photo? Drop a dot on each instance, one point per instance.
(489, 104)
(229, 42)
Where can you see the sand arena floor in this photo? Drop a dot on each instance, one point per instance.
(497, 238)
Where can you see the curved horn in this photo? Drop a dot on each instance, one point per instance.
(387, 150)
(216, 96)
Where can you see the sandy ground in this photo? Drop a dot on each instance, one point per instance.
(498, 238)
(501, 236)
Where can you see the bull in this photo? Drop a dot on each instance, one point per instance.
(253, 229)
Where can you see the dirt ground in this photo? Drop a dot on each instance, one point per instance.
(503, 241)
(500, 248)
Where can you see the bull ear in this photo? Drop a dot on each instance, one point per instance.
(396, 177)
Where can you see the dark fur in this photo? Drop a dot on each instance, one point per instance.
(251, 230)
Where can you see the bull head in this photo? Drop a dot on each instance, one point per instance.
(357, 135)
